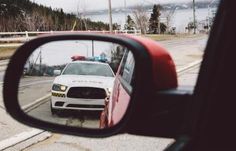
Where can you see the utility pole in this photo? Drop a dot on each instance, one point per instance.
(194, 17)
(159, 26)
(125, 7)
(110, 16)
(40, 61)
(92, 48)
(208, 20)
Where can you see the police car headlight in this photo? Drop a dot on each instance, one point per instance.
(109, 90)
(59, 87)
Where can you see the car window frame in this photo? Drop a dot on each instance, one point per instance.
(126, 85)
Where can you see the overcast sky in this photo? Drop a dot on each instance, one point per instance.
(72, 5)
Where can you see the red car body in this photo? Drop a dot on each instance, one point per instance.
(163, 74)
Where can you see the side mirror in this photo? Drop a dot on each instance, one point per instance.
(56, 72)
(64, 104)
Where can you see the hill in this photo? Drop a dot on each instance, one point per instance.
(24, 15)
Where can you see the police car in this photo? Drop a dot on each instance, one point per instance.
(82, 85)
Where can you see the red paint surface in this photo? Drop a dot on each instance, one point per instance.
(164, 73)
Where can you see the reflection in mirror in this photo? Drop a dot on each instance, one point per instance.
(79, 83)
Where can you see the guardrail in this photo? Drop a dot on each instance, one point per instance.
(27, 33)
(8, 37)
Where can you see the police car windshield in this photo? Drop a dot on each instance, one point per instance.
(91, 69)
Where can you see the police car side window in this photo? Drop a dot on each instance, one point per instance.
(128, 70)
(123, 62)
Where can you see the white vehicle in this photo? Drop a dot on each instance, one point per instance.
(82, 85)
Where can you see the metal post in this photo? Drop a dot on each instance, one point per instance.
(84, 45)
(40, 61)
(125, 11)
(110, 16)
(209, 8)
(208, 21)
(92, 48)
(194, 18)
(159, 26)
(27, 35)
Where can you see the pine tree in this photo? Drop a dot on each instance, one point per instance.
(154, 20)
(129, 23)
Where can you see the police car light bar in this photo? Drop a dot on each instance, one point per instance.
(83, 58)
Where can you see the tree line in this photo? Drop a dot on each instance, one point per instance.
(150, 24)
(24, 15)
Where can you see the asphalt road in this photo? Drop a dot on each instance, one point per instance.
(69, 118)
(1, 75)
(3, 64)
(183, 51)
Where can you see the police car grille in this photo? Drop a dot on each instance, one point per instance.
(86, 93)
(85, 106)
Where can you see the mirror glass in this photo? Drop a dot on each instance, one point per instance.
(79, 83)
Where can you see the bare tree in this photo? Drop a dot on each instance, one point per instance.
(84, 17)
(81, 16)
(32, 22)
(27, 20)
(140, 18)
(38, 20)
(168, 14)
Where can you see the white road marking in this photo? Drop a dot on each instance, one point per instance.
(36, 103)
(19, 138)
(36, 82)
(189, 66)
(4, 62)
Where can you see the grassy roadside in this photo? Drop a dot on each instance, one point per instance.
(6, 52)
(163, 37)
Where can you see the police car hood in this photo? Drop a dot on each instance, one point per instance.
(85, 81)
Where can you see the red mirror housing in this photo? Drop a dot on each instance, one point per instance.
(164, 73)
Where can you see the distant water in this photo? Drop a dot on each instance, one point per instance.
(180, 19)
